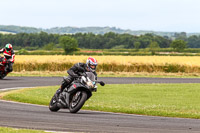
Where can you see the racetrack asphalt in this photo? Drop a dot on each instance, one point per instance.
(10, 82)
(30, 116)
(39, 117)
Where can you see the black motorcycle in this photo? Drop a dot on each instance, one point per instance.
(74, 96)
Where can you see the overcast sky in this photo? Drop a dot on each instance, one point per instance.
(156, 15)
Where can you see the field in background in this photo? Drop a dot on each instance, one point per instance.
(5, 32)
(150, 64)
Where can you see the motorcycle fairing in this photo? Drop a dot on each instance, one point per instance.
(78, 86)
(74, 87)
(2, 68)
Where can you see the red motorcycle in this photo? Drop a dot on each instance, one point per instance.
(3, 63)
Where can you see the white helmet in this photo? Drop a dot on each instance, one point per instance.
(91, 64)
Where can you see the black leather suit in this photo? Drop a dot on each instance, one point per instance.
(74, 73)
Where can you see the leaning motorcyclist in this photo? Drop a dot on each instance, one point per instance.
(76, 70)
(9, 57)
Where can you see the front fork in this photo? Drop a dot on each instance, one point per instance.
(67, 98)
(62, 101)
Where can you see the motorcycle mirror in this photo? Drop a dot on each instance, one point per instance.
(102, 83)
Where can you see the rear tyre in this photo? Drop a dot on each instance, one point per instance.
(2, 75)
(77, 101)
(53, 104)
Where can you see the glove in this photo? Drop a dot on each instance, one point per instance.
(102, 83)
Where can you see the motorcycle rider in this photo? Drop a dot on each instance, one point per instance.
(9, 57)
(74, 72)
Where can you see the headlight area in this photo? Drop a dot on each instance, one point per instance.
(90, 84)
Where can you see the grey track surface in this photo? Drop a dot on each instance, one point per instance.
(39, 117)
(10, 82)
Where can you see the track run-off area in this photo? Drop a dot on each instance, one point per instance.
(29, 116)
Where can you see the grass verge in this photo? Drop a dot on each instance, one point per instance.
(16, 130)
(171, 100)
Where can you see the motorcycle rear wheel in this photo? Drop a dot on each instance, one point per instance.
(53, 104)
(2, 75)
(77, 101)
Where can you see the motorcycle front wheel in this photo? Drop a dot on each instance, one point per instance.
(53, 104)
(77, 101)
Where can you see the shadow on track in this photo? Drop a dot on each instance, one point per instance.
(80, 112)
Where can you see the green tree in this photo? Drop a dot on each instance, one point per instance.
(193, 41)
(178, 45)
(145, 40)
(49, 46)
(153, 46)
(69, 44)
(181, 36)
(22, 52)
(137, 45)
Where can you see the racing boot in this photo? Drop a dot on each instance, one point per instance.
(58, 91)
(66, 81)
(62, 87)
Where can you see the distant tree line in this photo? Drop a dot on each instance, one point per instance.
(74, 30)
(97, 41)
(22, 40)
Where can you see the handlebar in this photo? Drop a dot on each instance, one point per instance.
(100, 82)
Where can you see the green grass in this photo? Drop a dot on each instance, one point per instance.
(171, 100)
(15, 130)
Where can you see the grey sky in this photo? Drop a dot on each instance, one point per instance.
(156, 15)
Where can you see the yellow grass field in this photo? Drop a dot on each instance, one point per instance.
(187, 64)
(123, 60)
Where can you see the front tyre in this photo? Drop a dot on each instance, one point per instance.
(77, 101)
(53, 104)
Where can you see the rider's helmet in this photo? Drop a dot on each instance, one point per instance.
(8, 47)
(91, 64)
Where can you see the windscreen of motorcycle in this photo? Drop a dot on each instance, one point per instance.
(91, 76)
